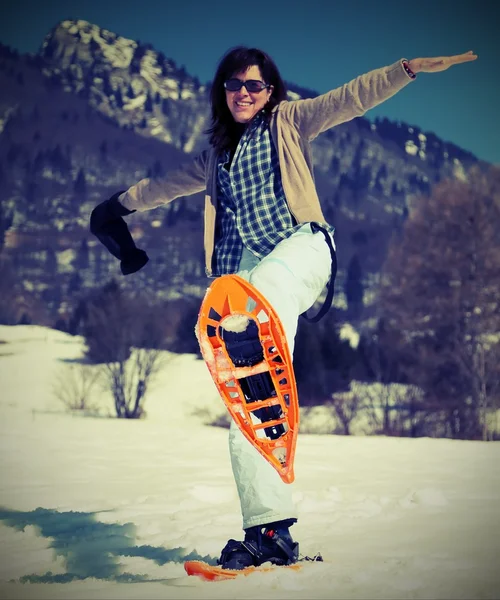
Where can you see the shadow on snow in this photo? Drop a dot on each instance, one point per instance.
(91, 548)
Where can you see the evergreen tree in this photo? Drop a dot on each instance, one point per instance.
(323, 363)
(6, 220)
(107, 88)
(59, 161)
(353, 287)
(82, 257)
(135, 63)
(119, 98)
(148, 105)
(11, 294)
(157, 169)
(80, 185)
(75, 283)
(103, 149)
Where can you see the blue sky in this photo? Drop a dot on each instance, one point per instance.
(316, 44)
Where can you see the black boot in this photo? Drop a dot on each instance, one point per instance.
(271, 542)
(241, 338)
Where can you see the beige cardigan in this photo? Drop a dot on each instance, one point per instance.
(293, 126)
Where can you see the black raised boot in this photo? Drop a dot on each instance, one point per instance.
(271, 542)
(241, 338)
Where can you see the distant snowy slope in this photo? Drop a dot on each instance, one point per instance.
(105, 508)
(33, 358)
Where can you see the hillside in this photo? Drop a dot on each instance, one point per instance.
(93, 112)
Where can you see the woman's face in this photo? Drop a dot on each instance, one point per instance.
(244, 105)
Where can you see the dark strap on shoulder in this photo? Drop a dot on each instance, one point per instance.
(331, 284)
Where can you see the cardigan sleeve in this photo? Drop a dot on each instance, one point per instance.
(312, 116)
(189, 178)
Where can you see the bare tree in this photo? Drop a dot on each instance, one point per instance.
(346, 406)
(126, 335)
(393, 409)
(383, 366)
(440, 296)
(486, 382)
(129, 380)
(74, 384)
(380, 408)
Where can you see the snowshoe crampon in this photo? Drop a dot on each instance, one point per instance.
(216, 573)
(209, 572)
(244, 345)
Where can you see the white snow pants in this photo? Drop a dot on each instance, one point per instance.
(291, 278)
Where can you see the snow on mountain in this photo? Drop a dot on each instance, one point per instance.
(95, 507)
(117, 50)
(347, 332)
(95, 112)
(126, 80)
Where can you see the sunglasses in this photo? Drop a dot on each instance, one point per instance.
(251, 85)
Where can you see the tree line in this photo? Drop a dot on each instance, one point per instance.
(436, 327)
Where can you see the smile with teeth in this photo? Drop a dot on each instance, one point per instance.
(243, 104)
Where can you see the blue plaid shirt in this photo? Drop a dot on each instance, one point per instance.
(252, 209)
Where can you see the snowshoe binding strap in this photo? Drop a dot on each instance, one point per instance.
(315, 227)
(291, 551)
(268, 547)
(316, 558)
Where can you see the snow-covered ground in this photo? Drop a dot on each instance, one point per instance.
(95, 507)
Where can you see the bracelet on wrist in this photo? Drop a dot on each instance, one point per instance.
(407, 69)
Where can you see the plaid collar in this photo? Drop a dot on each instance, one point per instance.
(252, 206)
(248, 133)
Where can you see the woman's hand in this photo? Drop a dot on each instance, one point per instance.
(440, 63)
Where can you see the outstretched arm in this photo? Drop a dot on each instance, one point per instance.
(184, 180)
(315, 115)
(439, 63)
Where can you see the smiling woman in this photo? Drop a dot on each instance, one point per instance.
(264, 222)
(245, 94)
(232, 103)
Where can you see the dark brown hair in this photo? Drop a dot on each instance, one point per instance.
(225, 131)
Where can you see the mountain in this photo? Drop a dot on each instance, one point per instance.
(93, 112)
(129, 82)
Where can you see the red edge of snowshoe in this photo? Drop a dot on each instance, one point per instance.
(215, 573)
(229, 295)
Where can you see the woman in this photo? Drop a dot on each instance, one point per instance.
(262, 221)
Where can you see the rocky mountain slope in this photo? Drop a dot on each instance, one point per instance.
(92, 113)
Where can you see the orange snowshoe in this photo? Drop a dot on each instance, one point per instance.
(244, 345)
